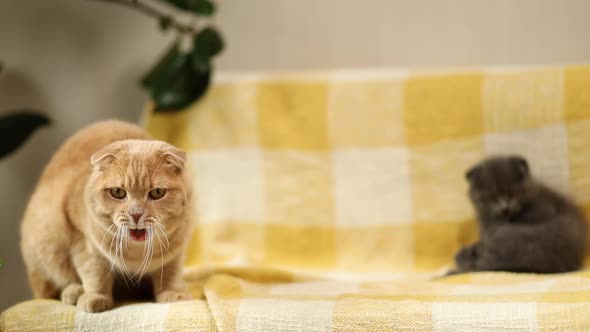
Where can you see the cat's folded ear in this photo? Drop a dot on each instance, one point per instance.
(175, 157)
(521, 165)
(472, 172)
(105, 155)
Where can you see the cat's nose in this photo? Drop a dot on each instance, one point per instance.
(136, 216)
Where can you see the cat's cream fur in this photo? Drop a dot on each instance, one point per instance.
(75, 235)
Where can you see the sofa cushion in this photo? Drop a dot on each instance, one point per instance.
(274, 302)
(53, 315)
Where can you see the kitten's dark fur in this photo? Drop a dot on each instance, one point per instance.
(523, 225)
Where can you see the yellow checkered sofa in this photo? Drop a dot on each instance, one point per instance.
(328, 201)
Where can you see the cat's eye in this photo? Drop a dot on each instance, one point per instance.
(157, 193)
(118, 193)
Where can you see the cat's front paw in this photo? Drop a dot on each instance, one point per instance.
(72, 293)
(173, 296)
(94, 302)
(466, 258)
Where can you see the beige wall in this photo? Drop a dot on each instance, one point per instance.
(79, 60)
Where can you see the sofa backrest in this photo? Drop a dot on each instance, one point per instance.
(364, 171)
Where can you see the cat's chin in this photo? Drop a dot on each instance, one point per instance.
(138, 234)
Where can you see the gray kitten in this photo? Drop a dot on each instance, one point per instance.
(523, 225)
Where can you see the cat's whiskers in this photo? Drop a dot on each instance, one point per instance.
(163, 229)
(144, 258)
(161, 255)
(147, 254)
(116, 239)
(119, 255)
(116, 223)
(114, 258)
(129, 273)
(117, 248)
(126, 240)
(107, 232)
(151, 245)
(150, 233)
(121, 241)
(161, 264)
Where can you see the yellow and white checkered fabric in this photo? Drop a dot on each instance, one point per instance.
(364, 172)
(360, 176)
(476, 302)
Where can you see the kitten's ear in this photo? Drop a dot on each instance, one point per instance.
(104, 155)
(521, 165)
(174, 157)
(472, 172)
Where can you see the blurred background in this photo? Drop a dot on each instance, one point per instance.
(79, 61)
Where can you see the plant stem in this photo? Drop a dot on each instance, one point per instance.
(153, 12)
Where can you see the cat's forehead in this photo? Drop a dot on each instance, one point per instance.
(498, 166)
(498, 171)
(140, 147)
(134, 171)
(138, 164)
(135, 158)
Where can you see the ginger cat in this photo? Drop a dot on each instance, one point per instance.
(110, 203)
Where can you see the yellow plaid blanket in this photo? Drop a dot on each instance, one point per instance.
(327, 201)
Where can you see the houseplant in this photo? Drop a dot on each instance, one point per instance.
(180, 77)
(16, 125)
(183, 73)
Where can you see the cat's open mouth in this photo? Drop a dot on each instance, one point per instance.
(138, 234)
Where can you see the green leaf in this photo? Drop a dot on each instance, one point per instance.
(199, 65)
(177, 80)
(181, 4)
(16, 127)
(165, 22)
(203, 7)
(1, 262)
(186, 87)
(207, 44)
(167, 66)
(200, 7)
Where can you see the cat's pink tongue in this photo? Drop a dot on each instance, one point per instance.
(137, 234)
